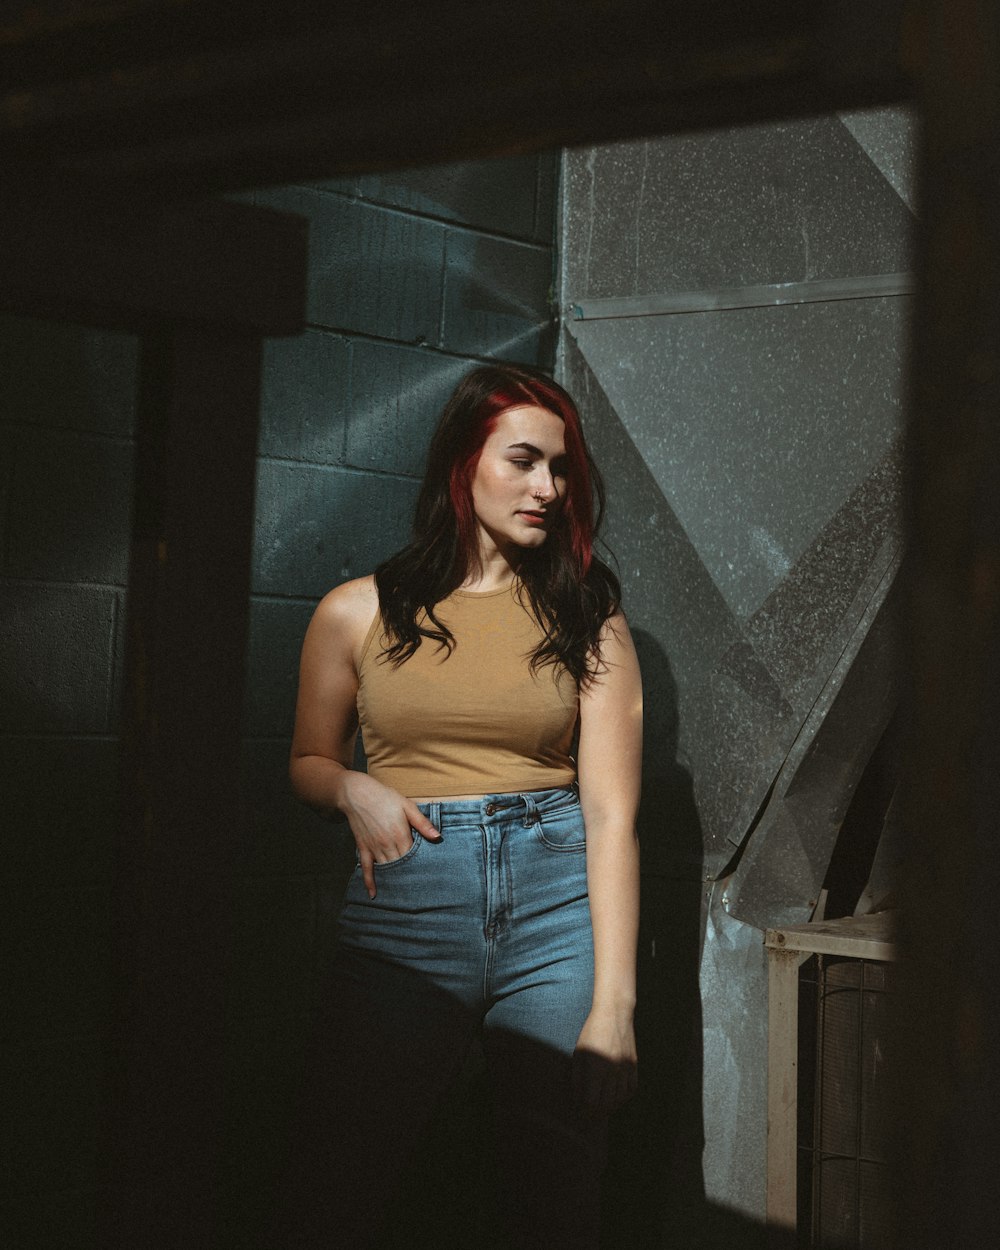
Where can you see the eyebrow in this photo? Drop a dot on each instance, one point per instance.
(532, 450)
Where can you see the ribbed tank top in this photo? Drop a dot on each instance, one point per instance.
(475, 721)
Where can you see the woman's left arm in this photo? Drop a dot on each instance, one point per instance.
(609, 764)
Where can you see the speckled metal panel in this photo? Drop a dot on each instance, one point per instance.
(888, 137)
(757, 424)
(734, 1030)
(776, 203)
(778, 879)
(742, 686)
(753, 463)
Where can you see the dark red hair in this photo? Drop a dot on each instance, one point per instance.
(569, 590)
(518, 388)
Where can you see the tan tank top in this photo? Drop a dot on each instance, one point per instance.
(477, 721)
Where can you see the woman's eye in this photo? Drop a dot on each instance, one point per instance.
(522, 464)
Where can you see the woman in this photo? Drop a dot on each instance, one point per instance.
(498, 694)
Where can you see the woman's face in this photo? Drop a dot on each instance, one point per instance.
(520, 480)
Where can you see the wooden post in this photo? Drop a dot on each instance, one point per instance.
(187, 623)
(782, 1089)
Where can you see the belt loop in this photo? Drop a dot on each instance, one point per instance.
(530, 810)
(434, 815)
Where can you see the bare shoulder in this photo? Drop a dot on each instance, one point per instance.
(616, 626)
(617, 669)
(616, 639)
(346, 612)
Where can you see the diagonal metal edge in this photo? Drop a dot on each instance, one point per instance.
(771, 295)
(812, 725)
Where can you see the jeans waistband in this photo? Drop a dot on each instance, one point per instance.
(498, 807)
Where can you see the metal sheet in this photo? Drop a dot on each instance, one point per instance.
(821, 291)
(752, 457)
(757, 424)
(741, 207)
(888, 138)
(734, 1018)
(777, 880)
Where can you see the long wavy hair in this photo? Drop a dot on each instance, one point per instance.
(569, 590)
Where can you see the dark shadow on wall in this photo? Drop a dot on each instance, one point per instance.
(654, 1187)
(351, 1163)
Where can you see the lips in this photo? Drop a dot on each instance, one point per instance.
(533, 518)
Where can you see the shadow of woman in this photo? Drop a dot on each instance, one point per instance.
(654, 1189)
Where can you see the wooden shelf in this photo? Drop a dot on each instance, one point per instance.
(861, 937)
(858, 937)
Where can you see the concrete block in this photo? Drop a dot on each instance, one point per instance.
(55, 975)
(497, 194)
(117, 664)
(397, 394)
(60, 809)
(304, 397)
(317, 527)
(330, 891)
(371, 270)
(63, 1220)
(56, 645)
(67, 376)
(49, 1130)
(273, 947)
(8, 445)
(283, 836)
(496, 299)
(265, 1062)
(70, 507)
(277, 628)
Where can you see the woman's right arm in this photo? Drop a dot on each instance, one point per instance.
(326, 725)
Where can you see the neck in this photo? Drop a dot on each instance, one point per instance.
(492, 571)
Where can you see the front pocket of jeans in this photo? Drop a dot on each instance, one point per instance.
(562, 831)
(405, 857)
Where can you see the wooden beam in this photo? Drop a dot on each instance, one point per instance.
(948, 1013)
(189, 582)
(782, 1091)
(128, 265)
(857, 937)
(175, 96)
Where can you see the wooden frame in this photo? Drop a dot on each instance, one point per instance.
(858, 937)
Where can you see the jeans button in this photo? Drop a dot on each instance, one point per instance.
(490, 809)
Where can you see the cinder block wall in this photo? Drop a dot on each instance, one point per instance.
(66, 416)
(413, 278)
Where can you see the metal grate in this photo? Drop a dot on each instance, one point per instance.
(844, 1105)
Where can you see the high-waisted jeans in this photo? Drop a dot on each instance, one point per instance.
(486, 933)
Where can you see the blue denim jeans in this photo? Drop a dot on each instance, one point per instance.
(485, 934)
(496, 914)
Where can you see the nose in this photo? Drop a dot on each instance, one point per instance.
(544, 488)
